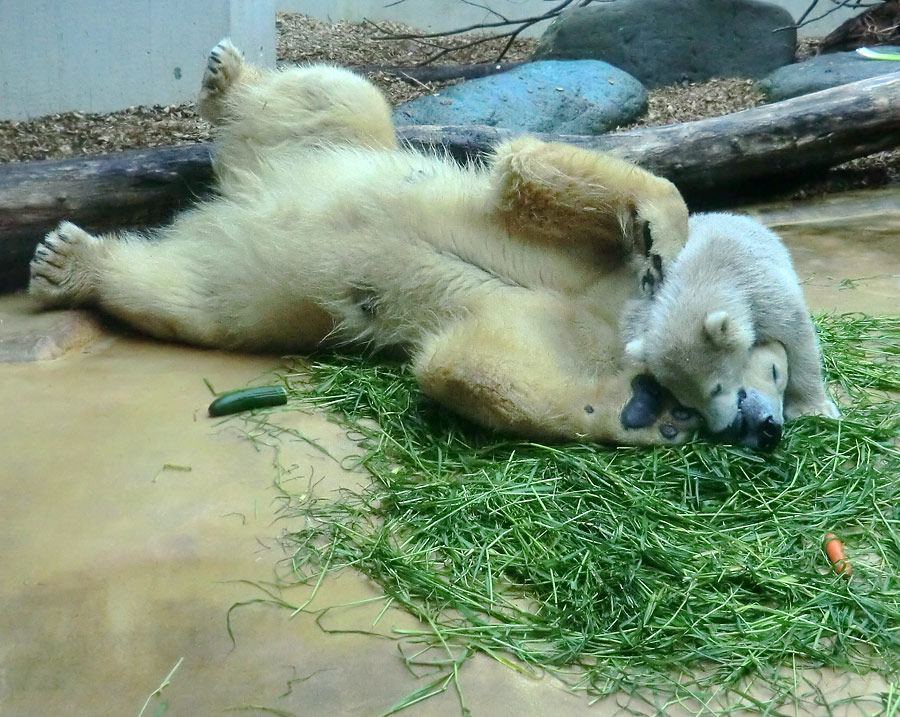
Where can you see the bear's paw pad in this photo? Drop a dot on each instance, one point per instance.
(653, 412)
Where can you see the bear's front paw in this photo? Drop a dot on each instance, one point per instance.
(653, 412)
(60, 274)
(796, 409)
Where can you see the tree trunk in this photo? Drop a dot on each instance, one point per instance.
(800, 135)
(125, 189)
(746, 149)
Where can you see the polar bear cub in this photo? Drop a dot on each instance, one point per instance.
(732, 286)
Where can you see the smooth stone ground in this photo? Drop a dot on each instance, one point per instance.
(824, 72)
(586, 97)
(662, 42)
(115, 567)
(47, 335)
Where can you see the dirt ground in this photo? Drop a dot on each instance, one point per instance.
(304, 39)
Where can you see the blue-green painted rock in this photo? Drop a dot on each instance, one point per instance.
(824, 72)
(564, 97)
(664, 42)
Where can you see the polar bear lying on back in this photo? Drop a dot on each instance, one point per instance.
(503, 282)
(732, 286)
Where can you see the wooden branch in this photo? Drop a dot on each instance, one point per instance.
(481, 26)
(836, 5)
(521, 25)
(747, 149)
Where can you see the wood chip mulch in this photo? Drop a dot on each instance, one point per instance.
(360, 44)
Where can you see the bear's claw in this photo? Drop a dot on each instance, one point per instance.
(653, 275)
(222, 67)
(58, 276)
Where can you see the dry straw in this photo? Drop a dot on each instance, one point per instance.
(691, 575)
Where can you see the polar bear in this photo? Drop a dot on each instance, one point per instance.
(760, 418)
(732, 286)
(503, 282)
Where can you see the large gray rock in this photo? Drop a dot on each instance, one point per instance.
(662, 42)
(575, 97)
(824, 72)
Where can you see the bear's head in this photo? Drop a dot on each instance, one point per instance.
(761, 400)
(760, 417)
(702, 366)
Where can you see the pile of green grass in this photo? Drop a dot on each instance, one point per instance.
(693, 574)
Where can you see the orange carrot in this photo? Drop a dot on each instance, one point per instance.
(834, 549)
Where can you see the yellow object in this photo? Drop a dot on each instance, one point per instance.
(876, 55)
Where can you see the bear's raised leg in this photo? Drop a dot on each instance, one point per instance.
(225, 68)
(142, 282)
(507, 382)
(260, 113)
(560, 194)
(805, 393)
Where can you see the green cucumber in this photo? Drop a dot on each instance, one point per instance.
(246, 399)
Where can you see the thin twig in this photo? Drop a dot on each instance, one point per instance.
(553, 12)
(838, 4)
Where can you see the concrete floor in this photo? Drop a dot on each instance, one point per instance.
(118, 561)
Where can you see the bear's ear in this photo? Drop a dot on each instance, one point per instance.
(635, 351)
(725, 332)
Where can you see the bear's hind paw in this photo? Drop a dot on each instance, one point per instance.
(59, 276)
(223, 68)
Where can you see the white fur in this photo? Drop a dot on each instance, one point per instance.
(733, 285)
(504, 282)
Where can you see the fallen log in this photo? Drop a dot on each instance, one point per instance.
(126, 189)
(800, 135)
(141, 187)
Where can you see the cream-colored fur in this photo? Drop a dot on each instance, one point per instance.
(504, 282)
(731, 287)
(762, 403)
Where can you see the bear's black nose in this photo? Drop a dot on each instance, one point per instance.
(742, 394)
(769, 434)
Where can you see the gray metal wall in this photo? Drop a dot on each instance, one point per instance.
(104, 55)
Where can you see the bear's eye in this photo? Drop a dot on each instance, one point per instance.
(717, 390)
(774, 373)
